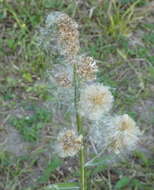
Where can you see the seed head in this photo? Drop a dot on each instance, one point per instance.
(95, 100)
(117, 134)
(68, 35)
(61, 75)
(87, 68)
(66, 32)
(68, 143)
(126, 134)
(63, 80)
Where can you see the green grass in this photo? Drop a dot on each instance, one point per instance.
(29, 126)
(127, 68)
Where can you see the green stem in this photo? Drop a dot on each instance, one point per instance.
(80, 131)
(82, 169)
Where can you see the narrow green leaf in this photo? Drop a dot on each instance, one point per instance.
(142, 157)
(97, 165)
(52, 166)
(99, 161)
(123, 182)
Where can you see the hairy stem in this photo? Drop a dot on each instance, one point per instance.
(80, 131)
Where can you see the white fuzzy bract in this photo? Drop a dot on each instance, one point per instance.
(68, 143)
(95, 100)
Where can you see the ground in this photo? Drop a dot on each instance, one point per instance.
(124, 50)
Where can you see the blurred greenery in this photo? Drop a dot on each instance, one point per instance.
(30, 126)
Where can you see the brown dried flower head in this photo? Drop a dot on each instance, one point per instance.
(61, 75)
(68, 143)
(63, 80)
(61, 35)
(68, 35)
(87, 68)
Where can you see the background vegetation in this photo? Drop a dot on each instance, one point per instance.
(121, 38)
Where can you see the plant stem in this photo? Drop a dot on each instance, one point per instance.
(82, 170)
(80, 131)
(76, 101)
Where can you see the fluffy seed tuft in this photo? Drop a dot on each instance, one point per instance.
(124, 135)
(95, 100)
(68, 143)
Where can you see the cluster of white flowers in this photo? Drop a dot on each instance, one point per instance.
(117, 134)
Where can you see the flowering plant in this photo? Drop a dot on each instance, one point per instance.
(89, 102)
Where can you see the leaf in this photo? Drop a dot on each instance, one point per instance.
(3, 15)
(27, 77)
(142, 157)
(123, 182)
(136, 183)
(99, 161)
(52, 4)
(151, 72)
(98, 164)
(63, 186)
(11, 43)
(52, 166)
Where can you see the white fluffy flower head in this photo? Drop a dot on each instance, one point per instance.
(95, 100)
(68, 143)
(125, 135)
